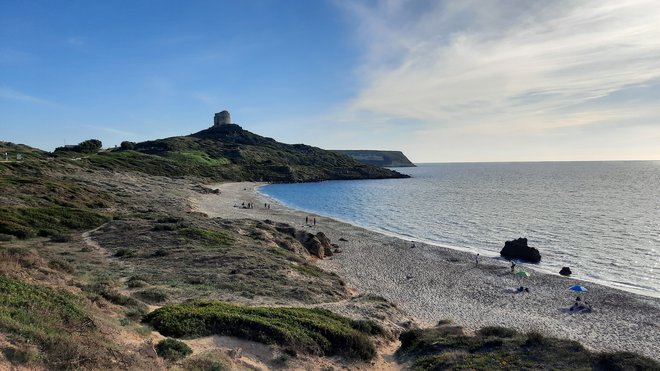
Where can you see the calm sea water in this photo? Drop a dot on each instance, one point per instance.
(600, 218)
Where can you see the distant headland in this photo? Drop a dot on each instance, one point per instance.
(379, 158)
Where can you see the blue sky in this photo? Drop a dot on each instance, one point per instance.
(443, 81)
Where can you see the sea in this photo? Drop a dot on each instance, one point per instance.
(601, 219)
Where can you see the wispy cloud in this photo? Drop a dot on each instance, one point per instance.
(15, 95)
(505, 66)
(112, 130)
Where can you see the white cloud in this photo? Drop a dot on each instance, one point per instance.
(505, 66)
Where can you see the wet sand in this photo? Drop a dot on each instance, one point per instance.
(432, 283)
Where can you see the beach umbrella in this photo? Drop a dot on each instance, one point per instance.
(578, 288)
(522, 274)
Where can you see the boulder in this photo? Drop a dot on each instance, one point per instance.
(565, 271)
(317, 245)
(518, 249)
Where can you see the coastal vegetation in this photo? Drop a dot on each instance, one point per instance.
(88, 240)
(298, 330)
(447, 347)
(227, 152)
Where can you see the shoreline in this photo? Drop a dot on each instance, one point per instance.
(432, 283)
(637, 290)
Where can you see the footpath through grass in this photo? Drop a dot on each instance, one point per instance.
(311, 331)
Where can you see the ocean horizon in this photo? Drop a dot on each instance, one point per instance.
(600, 218)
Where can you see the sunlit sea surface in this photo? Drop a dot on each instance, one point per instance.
(600, 218)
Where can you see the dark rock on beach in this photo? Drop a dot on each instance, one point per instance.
(518, 249)
(565, 271)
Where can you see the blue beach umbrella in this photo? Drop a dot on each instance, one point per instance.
(578, 288)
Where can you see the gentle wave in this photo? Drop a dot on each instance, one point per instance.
(599, 218)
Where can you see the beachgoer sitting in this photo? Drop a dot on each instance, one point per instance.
(520, 289)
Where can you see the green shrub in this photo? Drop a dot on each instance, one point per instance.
(534, 338)
(621, 361)
(104, 290)
(497, 331)
(61, 265)
(368, 326)
(24, 356)
(124, 253)
(152, 295)
(172, 349)
(311, 331)
(136, 281)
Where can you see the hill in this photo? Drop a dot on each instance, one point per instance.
(379, 158)
(228, 152)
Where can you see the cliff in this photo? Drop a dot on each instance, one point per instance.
(379, 158)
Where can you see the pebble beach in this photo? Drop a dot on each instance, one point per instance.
(432, 283)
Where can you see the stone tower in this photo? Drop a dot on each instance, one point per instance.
(221, 118)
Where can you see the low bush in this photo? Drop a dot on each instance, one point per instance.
(534, 339)
(61, 265)
(136, 282)
(106, 291)
(124, 253)
(502, 348)
(497, 331)
(152, 295)
(621, 361)
(172, 349)
(311, 331)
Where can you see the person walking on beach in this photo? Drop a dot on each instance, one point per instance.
(306, 220)
(513, 266)
(315, 221)
(476, 260)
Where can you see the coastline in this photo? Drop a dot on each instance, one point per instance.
(432, 283)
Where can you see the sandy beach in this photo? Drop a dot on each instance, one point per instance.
(432, 283)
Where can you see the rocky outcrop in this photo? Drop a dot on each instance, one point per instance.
(565, 271)
(518, 249)
(318, 245)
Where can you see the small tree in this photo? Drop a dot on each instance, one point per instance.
(126, 145)
(90, 146)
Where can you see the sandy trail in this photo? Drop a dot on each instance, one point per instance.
(432, 283)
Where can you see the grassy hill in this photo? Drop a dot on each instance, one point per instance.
(229, 152)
